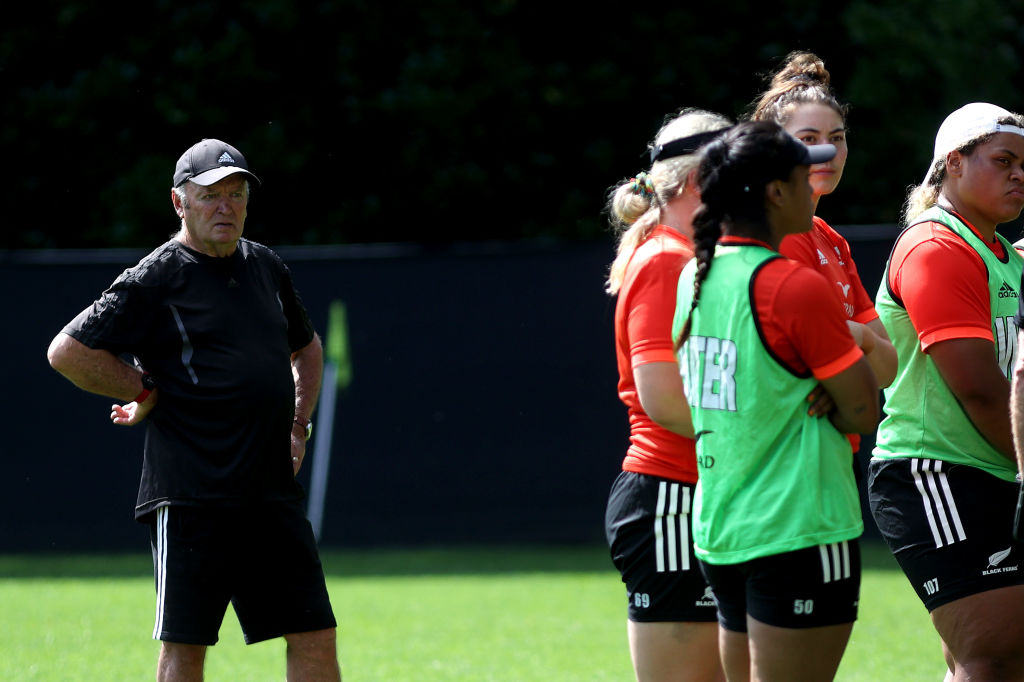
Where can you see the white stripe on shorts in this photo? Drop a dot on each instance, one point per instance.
(684, 530)
(672, 528)
(939, 506)
(835, 561)
(659, 540)
(160, 566)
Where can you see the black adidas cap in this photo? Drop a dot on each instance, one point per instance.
(208, 162)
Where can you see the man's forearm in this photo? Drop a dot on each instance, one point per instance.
(307, 370)
(94, 370)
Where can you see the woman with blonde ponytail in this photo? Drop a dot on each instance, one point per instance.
(671, 613)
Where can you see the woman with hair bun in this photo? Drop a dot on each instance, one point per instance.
(671, 614)
(800, 98)
(776, 512)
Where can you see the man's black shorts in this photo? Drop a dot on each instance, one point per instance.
(263, 560)
(648, 526)
(806, 588)
(950, 526)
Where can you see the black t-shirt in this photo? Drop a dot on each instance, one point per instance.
(217, 335)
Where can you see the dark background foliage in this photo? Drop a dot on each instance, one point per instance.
(448, 120)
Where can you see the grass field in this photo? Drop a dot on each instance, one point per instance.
(513, 615)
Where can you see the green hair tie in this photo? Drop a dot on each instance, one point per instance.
(642, 185)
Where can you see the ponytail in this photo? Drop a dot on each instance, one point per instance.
(634, 214)
(634, 205)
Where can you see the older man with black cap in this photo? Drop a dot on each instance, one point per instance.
(211, 191)
(225, 372)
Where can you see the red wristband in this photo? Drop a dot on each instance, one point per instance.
(148, 384)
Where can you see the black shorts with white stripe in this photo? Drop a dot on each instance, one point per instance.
(805, 588)
(950, 526)
(648, 526)
(264, 560)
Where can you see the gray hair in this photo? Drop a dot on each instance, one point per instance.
(183, 195)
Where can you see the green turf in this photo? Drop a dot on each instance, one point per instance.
(893, 639)
(468, 614)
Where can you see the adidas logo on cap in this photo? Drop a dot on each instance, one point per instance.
(1006, 291)
(209, 161)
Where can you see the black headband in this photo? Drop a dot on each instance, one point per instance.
(684, 145)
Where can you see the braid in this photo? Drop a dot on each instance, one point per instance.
(706, 231)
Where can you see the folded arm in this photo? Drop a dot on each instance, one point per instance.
(878, 349)
(855, 394)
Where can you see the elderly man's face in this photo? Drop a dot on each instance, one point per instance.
(214, 216)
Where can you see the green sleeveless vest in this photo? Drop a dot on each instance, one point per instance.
(922, 416)
(772, 478)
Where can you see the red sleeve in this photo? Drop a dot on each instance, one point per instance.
(803, 322)
(943, 284)
(651, 308)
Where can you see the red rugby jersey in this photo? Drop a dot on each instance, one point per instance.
(825, 250)
(643, 334)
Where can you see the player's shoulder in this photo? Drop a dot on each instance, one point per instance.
(792, 290)
(664, 241)
(930, 231)
(156, 266)
(664, 250)
(815, 246)
(822, 227)
(788, 267)
(252, 249)
(785, 273)
(930, 239)
(793, 243)
(931, 250)
(825, 231)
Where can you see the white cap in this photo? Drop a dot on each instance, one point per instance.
(967, 123)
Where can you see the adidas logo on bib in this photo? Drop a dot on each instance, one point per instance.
(1006, 291)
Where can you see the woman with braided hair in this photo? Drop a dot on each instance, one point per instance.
(776, 514)
(671, 614)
